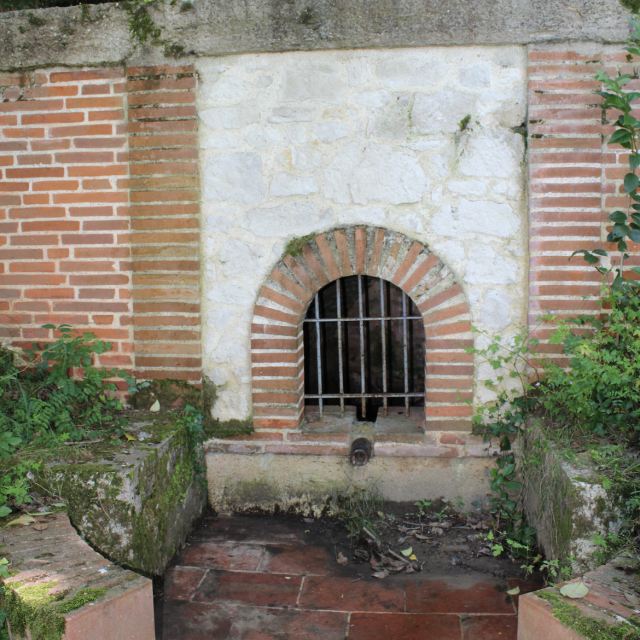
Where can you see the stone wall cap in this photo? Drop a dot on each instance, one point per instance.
(99, 34)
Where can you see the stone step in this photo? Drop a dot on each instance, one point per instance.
(66, 586)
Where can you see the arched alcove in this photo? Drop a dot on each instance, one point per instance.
(277, 344)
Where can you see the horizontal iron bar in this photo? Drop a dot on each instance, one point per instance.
(358, 319)
(365, 395)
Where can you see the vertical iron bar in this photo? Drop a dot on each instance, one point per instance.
(385, 402)
(319, 353)
(340, 372)
(361, 321)
(406, 352)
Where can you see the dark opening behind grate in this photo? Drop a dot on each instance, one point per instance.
(373, 357)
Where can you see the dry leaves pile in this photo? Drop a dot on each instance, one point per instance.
(385, 560)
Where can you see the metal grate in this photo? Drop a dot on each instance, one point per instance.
(384, 318)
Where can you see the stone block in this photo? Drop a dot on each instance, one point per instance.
(138, 506)
(566, 503)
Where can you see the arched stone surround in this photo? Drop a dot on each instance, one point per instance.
(277, 351)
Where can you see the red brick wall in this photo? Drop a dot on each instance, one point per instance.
(71, 249)
(163, 152)
(575, 179)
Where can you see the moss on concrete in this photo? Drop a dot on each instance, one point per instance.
(590, 627)
(31, 606)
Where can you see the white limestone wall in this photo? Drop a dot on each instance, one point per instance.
(297, 143)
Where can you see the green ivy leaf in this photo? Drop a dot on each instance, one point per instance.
(631, 182)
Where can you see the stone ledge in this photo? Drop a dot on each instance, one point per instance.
(71, 591)
(430, 445)
(98, 34)
(547, 614)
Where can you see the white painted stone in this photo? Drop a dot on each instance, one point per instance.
(410, 69)
(235, 292)
(218, 376)
(452, 252)
(261, 137)
(291, 114)
(296, 133)
(422, 145)
(479, 75)
(442, 162)
(492, 154)
(237, 176)
(242, 374)
(374, 173)
(264, 81)
(509, 189)
(474, 296)
(240, 258)
(234, 117)
(357, 72)
(374, 99)
(220, 224)
(436, 194)
(219, 318)
(228, 351)
(307, 158)
(312, 81)
(484, 217)
(373, 216)
(210, 271)
(441, 112)
(230, 405)
(467, 187)
(220, 142)
(330, 131)
(228, 88)
(485, 266)
(495, 312)
(285, 221)
(286, 184)
(411, 223)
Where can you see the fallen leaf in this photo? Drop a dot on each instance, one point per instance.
(155, 407)
(514, 592)
(128, 436)
(380, 574)
(21, 520)
(40, 527)
(633, 599)
(407, 552)
(437, 530)
(413, 556)
(574, 590)
(410, 569)
(342, 559)
(59, 504)
(421, 537)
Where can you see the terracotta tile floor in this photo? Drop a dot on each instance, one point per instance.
(251, 579)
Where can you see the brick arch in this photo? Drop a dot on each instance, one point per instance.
(277, 350)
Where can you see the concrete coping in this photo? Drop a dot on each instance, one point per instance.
(65, 583)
